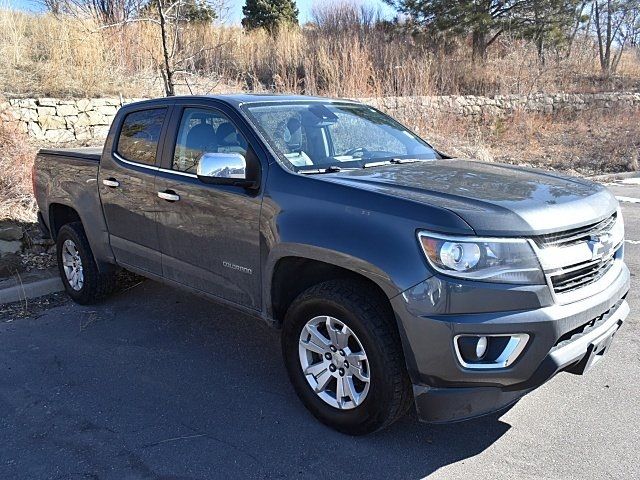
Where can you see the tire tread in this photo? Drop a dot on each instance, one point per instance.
(368, 305)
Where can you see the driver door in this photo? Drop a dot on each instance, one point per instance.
(208, 234)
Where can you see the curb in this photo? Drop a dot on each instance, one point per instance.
(30, 290)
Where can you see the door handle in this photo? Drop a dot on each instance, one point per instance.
(111, 182)
(169, 196)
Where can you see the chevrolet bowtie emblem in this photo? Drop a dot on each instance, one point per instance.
(600, 246)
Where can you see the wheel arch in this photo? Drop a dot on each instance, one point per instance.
(59, 215)
(290, 275)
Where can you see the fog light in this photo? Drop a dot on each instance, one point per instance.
(472, 348)
(489, 351)
(481, 347)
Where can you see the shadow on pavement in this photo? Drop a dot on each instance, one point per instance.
(155, 383)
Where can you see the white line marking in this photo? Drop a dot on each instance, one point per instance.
(628, 199)
(631, 181)
(633, 242)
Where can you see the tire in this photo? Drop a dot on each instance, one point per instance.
(372, 325)
(94, 285)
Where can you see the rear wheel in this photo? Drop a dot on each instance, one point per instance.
(344, 358)
(82, 280)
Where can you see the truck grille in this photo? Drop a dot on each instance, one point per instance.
(575, 235)
(581, 275)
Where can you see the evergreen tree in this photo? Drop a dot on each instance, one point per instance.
(269, 14)
(486, 20)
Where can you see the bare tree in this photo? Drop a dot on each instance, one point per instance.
(54, 6)
(169, 17)
(610, 19)
(104, 11)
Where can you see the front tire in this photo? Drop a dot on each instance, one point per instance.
(82, 280)
(343, 355)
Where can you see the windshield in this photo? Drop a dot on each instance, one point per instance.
(314, 137)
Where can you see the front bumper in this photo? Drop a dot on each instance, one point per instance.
(562, 338)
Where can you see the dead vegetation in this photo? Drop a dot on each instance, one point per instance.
(47, 55)
(584, 143)
(16, 160)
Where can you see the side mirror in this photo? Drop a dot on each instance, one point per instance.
(224, 169)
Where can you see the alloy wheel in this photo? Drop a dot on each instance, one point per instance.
(72, 265)
(334, 362)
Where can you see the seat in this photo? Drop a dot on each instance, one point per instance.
(229, 140)
(201, 138)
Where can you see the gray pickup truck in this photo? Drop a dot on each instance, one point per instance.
(397, 275)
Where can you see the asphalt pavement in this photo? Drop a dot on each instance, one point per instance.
(157, 384)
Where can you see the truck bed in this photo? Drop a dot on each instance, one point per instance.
(87, 153)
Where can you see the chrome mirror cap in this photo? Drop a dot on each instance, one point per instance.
(222, 165)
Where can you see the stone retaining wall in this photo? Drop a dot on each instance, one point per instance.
(503, 105)
(57, 120)
(87, 120)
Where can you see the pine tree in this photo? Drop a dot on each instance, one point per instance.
(269, 14)
(486, 20)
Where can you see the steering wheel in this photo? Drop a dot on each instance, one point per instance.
(352, 151)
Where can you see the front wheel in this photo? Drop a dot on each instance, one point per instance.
(82, 280)
(344, 358)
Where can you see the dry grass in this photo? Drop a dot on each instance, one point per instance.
(16, 160)
(66, 56)
(586, 143)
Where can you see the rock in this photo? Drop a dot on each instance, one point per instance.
(47, 102)
(10, 232)
(83, 134)
(42, 241)
(100, 132)
(8, 247)
(35, 131)
(46, 111)
(26, 103)
(71, 121)
(96, 118)
(52, 250)
(107, 110)
(9, 264)
(66, 110)
(83, 120)
(59, 136)
(84, 105)
(28, 114)
(49, 122)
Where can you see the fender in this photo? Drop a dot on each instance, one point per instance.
(68, 188)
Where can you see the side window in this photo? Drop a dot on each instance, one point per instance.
(140, 134)
(205, 131)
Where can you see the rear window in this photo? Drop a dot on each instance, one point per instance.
(140, 134)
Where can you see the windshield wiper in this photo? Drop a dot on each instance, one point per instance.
(393, 161)
(330, 169)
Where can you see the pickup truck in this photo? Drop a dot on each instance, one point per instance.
(397, 276)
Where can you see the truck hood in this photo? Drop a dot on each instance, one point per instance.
(494, 199)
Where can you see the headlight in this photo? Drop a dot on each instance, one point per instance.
(501, 260)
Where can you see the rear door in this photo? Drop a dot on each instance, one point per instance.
(127, 187)
(209, 234)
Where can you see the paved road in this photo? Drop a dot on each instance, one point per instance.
(157, 384)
